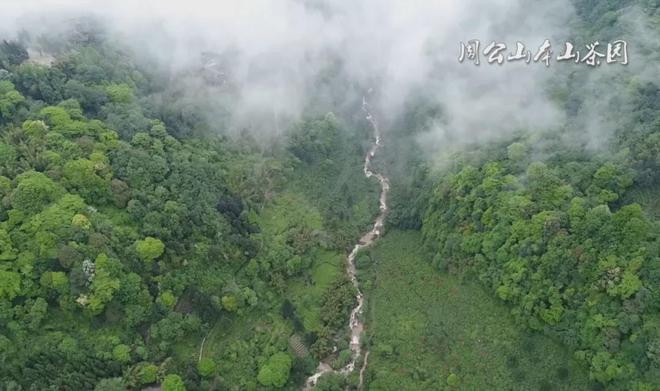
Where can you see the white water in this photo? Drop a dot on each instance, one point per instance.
(367, 239)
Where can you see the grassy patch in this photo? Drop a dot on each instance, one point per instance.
(305, 293)
(429, 331)
(288, 210)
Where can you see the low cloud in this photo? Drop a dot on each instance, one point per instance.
(277, 52)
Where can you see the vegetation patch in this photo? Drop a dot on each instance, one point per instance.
(431, 331)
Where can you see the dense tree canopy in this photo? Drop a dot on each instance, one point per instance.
(141, 246)
(122, 248)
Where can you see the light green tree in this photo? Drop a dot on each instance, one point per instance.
(34, 191)
(122, 353)
(206, 367)
(149, 248)
(10, 284)
(275, 372)
(173, 382)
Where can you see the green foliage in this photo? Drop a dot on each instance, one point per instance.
(452, 379)
(35, 129)
(12, 53)
(206, 367)
(149, 248)
(431, 331)
(120, 93)
(99, 174)
(112, 384)
(81, 176)
(331, 382)
(516, 151)
(230, 303)
(81, 221)
(559, 247)
(33, 192)
(58, 281)
(315, 140)
(148, 374)
(94, 188)
(167, 299)
(275, 372)
(173, 382)
(7, 250)
(39, 82)
(10, 99)
(122, 353)
(105, 283)
(336, 303)
(10, 284)
(81, 208)
(7, 161)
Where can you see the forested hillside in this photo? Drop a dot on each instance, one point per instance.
(566, 234)
(129, 233)
(175, 218)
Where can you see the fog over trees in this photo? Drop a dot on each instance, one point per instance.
(181, 184)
